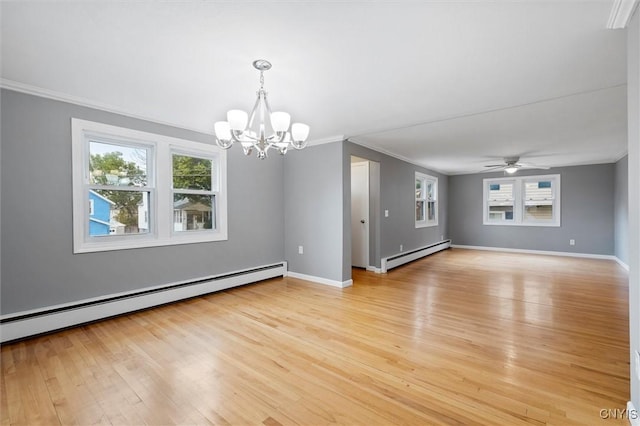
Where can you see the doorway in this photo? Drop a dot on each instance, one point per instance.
(359, 212)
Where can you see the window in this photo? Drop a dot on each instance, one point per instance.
(118, 183)
(524, 201)
(194, 193)
(426, 200)
(138, 188)
(500, 201)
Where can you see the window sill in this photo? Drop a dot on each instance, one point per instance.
(426, 225)
(144, 242)
(524, 224)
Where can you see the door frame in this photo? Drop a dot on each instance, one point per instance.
(367, 232)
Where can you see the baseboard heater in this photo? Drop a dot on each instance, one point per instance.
(19, 325)
(409, 256)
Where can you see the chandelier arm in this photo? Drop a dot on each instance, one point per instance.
(266, 103)
(277, 137)
(252, 115)
(235, 137)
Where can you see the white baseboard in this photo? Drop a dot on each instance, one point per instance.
(320, 280)
(621, 263)
(543, 252)
(374, 269)
(633, 415)
(29, 323)
(398, 259)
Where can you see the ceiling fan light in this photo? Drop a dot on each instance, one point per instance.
(511, 169)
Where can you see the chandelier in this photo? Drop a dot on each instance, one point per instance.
(262, 129)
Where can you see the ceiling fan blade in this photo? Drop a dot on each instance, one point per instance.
(532, 166)
(494, 168)
(495, 165)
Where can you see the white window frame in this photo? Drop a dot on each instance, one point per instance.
(426, 179)
(159, 185)
(519, 201)
(215, 190)
(503, 220)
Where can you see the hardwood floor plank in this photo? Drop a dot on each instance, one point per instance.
(459, 337)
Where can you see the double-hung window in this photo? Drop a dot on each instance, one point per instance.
(136, 189)
(426, 200)
(500, 201)
(194, 191)
(524, 201)
(119, 186)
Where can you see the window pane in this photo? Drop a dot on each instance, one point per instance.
(538, 200)
(538, 211)
(431, 211)
(193, 212)
(192, 173)
(430, 191)
(501, 212)
(539, 191)
(419, 210)
(419, 189)
(111, 164)
(500, 201)
(118, 212)
(501, 193)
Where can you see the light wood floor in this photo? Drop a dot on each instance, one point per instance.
(460, 337)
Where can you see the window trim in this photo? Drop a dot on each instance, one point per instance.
(214, 192)
(425, 179)
(519, 201)
(159, 184)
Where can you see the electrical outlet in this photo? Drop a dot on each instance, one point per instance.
(637, 357)
(300, 250)
(386, 213)
(572, 242)
(400, 247)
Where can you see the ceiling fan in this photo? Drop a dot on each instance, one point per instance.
(512, 165)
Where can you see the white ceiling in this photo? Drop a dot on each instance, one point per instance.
(448, 85)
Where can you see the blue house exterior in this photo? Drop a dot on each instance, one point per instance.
(99, 214)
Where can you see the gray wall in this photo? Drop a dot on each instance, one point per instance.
(39, 268)
(313, 211)
(621, 209)
(397, 194)
(633, 111)
(586, 213)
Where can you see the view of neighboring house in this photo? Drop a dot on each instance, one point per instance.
(102, 216)
(116, 227)
(188, 215)
(99, 214)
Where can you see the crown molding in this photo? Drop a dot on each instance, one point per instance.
(76, 100)
(84, 102)
(399, 157)
(328, 139)
(621, 13)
